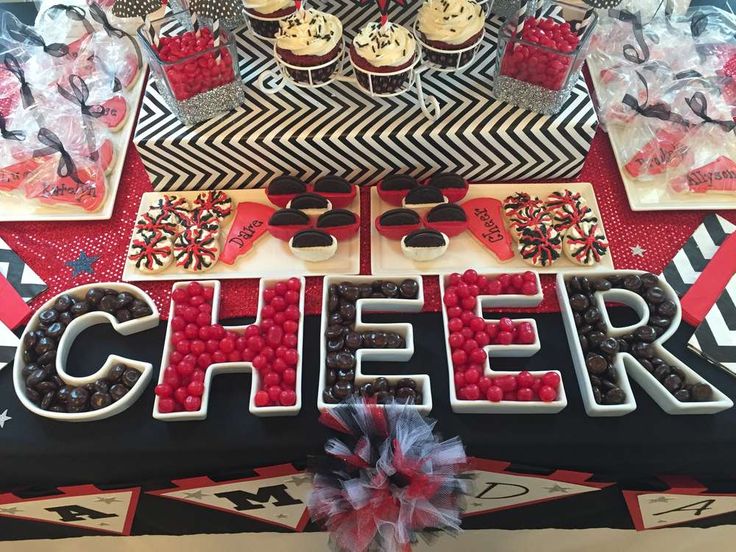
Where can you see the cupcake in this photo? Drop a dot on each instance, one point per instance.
(389, 49)
(310, 39)
(264, 15)
(447, 27)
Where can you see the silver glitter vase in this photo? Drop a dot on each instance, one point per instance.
(202, 84)
(540, 77)
(508, 8)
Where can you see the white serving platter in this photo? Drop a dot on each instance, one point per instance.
(269, 257)
(243, 367)
(370, 305)
(654, 195)
(76, 327)
(15, 208)
(464, 250)
(502, 351)
(625, 365)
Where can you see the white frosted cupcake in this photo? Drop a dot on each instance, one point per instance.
(310, 38)
(264, 15)
(448, 27)
(388, 48)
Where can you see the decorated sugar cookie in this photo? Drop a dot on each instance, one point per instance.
(196, 249)
(157, 222)
(172, 204)
(540, 245)
(216, 202)
(151, 251)
(528, 216)
(585, 244)
(204, 219)
(519, 201)
(115, 113)
(568, 209)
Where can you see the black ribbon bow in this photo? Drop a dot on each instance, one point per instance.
(66, 166)
(12, 65)
(79, 93)
(75, 13)
(97, 13)
(22, 33)
(18, 135)
(658, 110)
(699, 105)
(629, 50)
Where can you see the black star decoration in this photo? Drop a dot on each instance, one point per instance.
(82, 264)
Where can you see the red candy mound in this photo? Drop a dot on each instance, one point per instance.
(547, 67)
(197, 343)
(201, 72)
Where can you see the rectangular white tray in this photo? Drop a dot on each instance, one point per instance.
(653, 195)
(269, 257)
(464, 250)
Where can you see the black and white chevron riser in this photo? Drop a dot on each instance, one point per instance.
(8, 344)
(338, 129)
(715, 338)
(23, 279)
(682, 272)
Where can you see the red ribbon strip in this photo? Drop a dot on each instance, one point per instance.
(709, 286)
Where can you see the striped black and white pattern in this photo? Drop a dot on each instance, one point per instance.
(340, 130)
(715, 338)
(8, 344)
(690, 261)
(25, 281)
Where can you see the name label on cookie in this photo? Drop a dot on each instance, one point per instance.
(485, 221)
(248, 226)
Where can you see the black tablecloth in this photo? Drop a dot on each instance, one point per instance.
(132, 446)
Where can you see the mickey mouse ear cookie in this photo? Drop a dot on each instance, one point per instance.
(452, 185)
(283, 189)
(336, 190)
(313, 245)
(284, 223)
(448, 218)
(394, 224)
(340, 223)
(393, 189)
(424, 245)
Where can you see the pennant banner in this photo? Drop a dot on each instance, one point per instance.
(277, 495)
(678, 505)
(494, 488)
(83, 506)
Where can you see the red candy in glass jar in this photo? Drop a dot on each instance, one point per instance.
(543, 64)
(190, 63)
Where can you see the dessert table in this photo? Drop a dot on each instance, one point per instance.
(38, 455)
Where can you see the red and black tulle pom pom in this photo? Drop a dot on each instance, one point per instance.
(387, 480)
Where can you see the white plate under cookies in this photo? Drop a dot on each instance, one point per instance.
(465, 250)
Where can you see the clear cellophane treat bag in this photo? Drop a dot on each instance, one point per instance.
(67, 175)
(710, 142)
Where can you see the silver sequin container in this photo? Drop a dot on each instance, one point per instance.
(541, 78)
(202, 85)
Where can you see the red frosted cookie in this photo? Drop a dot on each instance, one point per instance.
(13, 176)
(251, 222)
(665, 150)
(115, 113)
(485, 222)
(88, 193)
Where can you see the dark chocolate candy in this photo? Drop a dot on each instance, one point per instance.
(447, 180)
(424, 195)
(308, 201)
(447, 212)
(399, 217)
(425, 238)
(332, 184)
(288, 217)
(286, 185)
(311, 238)
(399, 182)
(336, 217)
